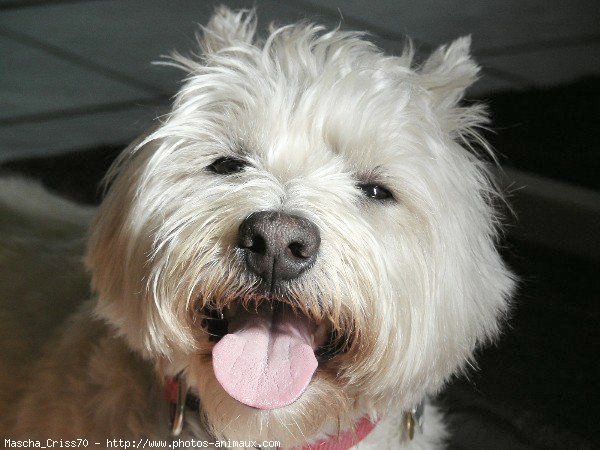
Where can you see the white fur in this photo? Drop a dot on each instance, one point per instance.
(416, 282)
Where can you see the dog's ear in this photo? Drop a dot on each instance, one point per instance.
(446, 74)
(228, 28)
(449, 71)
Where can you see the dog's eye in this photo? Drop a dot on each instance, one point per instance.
(376, 192)
(227, 165)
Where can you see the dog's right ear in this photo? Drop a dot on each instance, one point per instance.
(447, 74)
(228, 28)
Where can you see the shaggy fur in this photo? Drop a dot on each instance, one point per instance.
(411, 285)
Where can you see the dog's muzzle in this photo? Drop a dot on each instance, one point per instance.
(278, 246)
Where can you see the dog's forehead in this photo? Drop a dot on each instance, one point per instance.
(290, 151)
(339, 129)
(296, 113)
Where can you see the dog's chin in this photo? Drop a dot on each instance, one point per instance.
(308, 342)
(324, 407)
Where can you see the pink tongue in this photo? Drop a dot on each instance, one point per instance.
(266, 361)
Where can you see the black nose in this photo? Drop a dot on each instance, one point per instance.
(278, 246)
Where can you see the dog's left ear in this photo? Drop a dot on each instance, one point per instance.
(447, 73)
(228, 28)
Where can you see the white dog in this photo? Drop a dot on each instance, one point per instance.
(302, 251)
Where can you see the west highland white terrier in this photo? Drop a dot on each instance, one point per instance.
(302, 251)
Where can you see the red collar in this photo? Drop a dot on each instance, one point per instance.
(345, 439)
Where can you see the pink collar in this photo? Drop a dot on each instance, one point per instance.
(345, 439)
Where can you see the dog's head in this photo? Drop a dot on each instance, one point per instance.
(305, 233)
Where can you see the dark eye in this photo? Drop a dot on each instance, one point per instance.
(376, 192)
(227, 165)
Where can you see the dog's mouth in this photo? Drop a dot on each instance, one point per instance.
(267, 352)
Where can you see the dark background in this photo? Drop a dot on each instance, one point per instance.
(76, 85)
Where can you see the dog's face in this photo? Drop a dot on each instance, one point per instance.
(304, 234)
